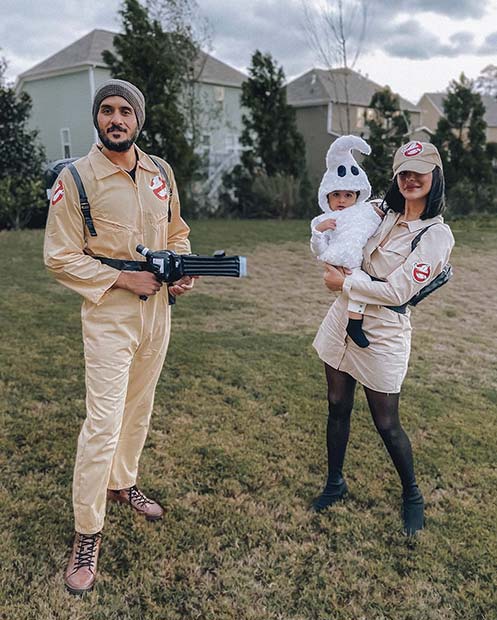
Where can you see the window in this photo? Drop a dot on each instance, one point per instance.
(360, 117)
(329, 120)
(65, 137)
(230, 142)
(219, 94)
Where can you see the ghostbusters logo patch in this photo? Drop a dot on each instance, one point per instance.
(159, 187)
(57, 193)
(412, 149)
(421, 272)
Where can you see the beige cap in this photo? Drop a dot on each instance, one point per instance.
(417, 156)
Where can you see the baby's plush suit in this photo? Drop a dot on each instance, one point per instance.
(354, 225)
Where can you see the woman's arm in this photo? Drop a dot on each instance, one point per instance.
(420, 267)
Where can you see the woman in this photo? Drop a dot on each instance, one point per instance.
(398, 271)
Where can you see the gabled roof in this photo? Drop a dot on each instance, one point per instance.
(87, 51)
(319, 86)
(437, 99)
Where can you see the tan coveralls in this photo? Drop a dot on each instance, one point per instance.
(125, 339)
(387, 255)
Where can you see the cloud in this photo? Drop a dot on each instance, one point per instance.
(402, 28)
(450, 8)
(489, 45)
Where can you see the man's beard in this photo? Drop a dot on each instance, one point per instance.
(118, 147)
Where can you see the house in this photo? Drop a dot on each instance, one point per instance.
(319, 98)
(431, 108)
(62, 88)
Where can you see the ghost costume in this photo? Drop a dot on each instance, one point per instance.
(354, 225)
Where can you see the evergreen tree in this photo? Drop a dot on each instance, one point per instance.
(387, 130)
(460, 136)
(21, 160)
(161, 64)
(272, 146)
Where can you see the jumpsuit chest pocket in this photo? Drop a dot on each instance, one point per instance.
(157, 219)
(113, 239)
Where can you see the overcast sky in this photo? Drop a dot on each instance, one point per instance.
(414, 46)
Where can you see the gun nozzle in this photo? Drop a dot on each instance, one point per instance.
(243, 267)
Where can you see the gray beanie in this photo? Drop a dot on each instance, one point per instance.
(126, 90)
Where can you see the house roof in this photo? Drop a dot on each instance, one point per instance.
(319, 86)
(490, 104)
(87, 51)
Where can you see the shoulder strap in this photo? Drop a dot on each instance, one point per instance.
(83, 200)
(166, 178)
(417, 238)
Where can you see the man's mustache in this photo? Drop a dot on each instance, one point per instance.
(113, 128)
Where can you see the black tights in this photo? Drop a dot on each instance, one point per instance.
(385, 412)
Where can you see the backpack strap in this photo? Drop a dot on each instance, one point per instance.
(166, 178)
(417, 238)
(83, 200)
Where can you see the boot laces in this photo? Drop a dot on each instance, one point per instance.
(85, 552)
(137, 498)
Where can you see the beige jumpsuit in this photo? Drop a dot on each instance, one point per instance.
(387, 255)
(125, 339)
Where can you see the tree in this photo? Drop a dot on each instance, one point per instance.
(161, 63)
(21, 159)
(460, 135)
(388, 126)
(272, 145)
(486, 82)
(336, 31)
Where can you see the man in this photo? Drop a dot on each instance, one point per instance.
(125, 338)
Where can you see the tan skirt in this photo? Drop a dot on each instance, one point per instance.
(383, 365)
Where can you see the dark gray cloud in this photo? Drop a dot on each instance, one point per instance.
(456, 9)
(489, 45)
(410, 40)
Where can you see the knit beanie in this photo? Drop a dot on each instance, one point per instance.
(343, 172)
(126, 90)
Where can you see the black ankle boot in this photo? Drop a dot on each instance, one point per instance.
(332, 493)
(413, 512)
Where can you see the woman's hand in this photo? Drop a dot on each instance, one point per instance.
(334, 277)
(329, 224)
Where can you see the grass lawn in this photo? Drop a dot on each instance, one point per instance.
(236, 451)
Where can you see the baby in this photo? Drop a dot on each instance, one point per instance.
(340, 239)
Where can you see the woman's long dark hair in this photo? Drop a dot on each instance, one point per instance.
(435, 201)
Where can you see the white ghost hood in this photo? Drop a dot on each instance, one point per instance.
(343, 172)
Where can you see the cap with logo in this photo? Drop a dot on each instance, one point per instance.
(420, 157)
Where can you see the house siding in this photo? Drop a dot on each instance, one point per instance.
(429, 113)
(312, 124)
(62, 102)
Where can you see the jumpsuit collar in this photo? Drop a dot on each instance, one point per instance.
(103, 167)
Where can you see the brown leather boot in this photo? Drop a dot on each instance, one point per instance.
(152, 511)
(81, 570)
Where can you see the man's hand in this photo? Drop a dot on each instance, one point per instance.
(183, 285)
(138, 282)
(329, 224)
(334, 277)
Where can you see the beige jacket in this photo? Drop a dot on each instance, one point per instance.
(382, 365)
(388, 256)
